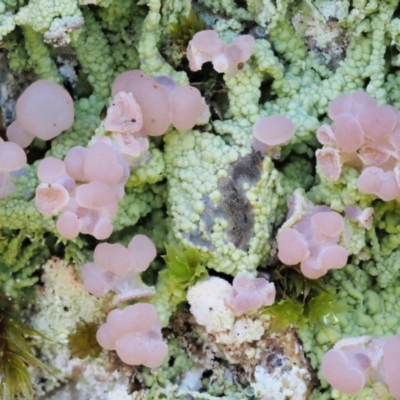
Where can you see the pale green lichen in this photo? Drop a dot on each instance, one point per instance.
(221, 202)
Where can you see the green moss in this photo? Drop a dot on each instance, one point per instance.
(19, 259)
(83, 343)
(303, 301)
(185, 28)
(184, 269)
(15, 356)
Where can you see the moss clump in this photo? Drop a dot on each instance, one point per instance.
(303, 301)
(15, 355)
(186, 27)
(83, 342)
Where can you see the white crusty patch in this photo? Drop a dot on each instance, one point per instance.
(207, 304)
(281, 385)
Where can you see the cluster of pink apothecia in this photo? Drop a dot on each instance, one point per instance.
(84, 188)
(135, 331)
(354, 361)
(364, 136)
(312, 240)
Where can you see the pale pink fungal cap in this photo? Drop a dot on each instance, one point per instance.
(69, 225)
(45, 109)
(372, 155)
(325, 135)
(221, 62)
(394, 138)
(125, 81)
(142, 251)
(363, 217)
(236, 54)
(51, 198)
(107, 337)
(396, 171)
(367, 138)
(16, 134)
(330, 162)
(292, 247)
(348, 133)
(207, 42)
(332, 257)
(374, 180)
(74, 162)
(206, 46)
(101, 164)
(118, 268)
(274, 130)
(84, 220)
(312, 240)
(136, 351)
(113, 257)
(124, 115)
(98, 196)
(388, 189)
(87, 222)
(95, 281)
(132, 146)
(260, 147)
(135, 334)
(50, 169)
(340, 105)
(354, 361)
(6, 185)
(249, 294)
(377, 122)
(245, 44)
(12, 157)
(350, 104)
(328, 223)
(186, 107)
(325, 258)
(151, 97)
(202, 48)
(103, 229)
(167, 83)
(345, 372)
(391, 365)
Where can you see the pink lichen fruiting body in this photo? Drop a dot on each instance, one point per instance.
(312, 241)
(124, 115)
(117, 268)
(16, 134)
(366, 137)
(45, 109)
(353, 362)
(94, 178)
(152, 98)
(135, 334)
(12, 158)
(249, 294)
(186, 107)
(269, 133)
(51, 198)
(101, 164)
(206, 46)
(202, 48)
